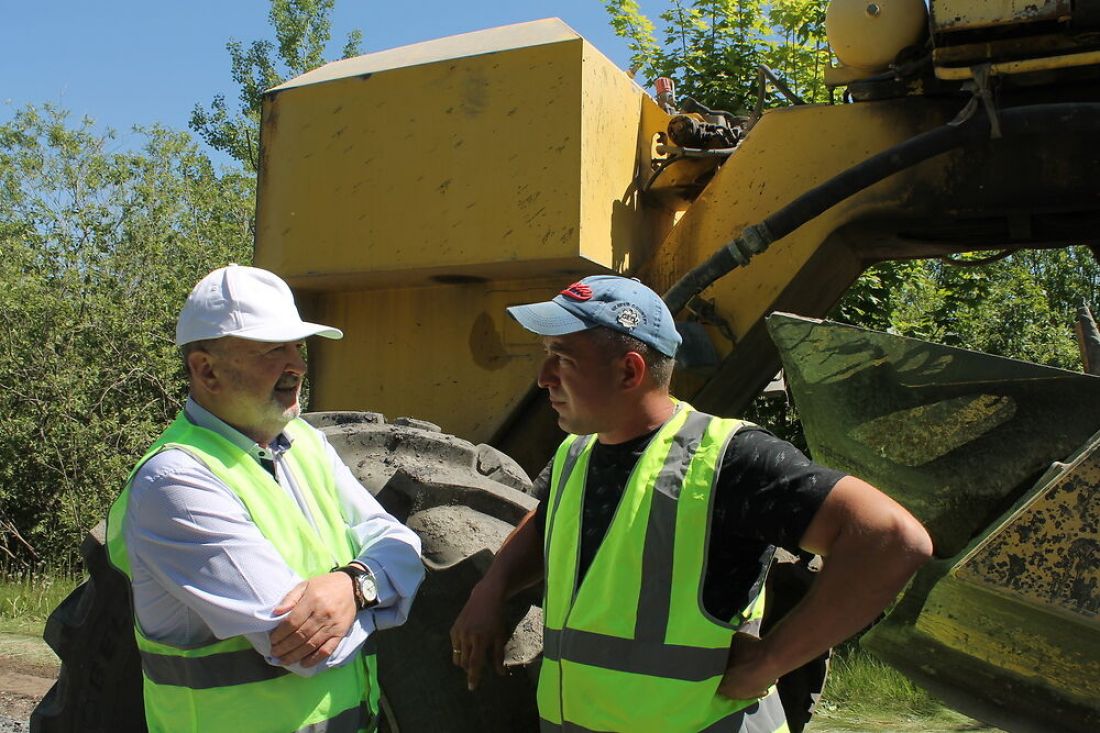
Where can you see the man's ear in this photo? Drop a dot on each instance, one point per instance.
(634, 370)
(200, 364)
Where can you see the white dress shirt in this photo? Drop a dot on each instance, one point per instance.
(203, 571)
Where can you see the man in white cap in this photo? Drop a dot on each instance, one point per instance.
(656, 531)
(259, 565)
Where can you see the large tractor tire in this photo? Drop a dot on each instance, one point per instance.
(462, 500)
(92, 632)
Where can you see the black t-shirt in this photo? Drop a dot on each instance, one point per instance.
(766, 494)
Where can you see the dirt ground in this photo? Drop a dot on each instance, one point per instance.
(22, 687)
(27, 671)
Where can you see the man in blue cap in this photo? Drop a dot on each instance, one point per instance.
(655, 533)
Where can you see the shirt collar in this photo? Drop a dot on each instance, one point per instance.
(202, 417)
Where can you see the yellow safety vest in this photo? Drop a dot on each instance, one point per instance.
(630, 649)
(227, 686)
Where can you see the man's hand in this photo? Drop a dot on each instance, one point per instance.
(479, 629)
(322, 610)
(747, 677)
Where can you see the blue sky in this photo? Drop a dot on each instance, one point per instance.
(135, 62)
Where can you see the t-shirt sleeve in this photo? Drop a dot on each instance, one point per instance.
(540, 489)
(769, 490)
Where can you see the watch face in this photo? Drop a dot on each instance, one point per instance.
(368, 588)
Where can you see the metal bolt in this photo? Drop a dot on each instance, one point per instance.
(873, 9)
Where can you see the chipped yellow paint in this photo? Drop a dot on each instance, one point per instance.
(1023, 600)
(1047, 551)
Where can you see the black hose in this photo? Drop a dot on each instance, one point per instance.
(754, 239)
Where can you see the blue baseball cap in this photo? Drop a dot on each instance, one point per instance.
(619, 303)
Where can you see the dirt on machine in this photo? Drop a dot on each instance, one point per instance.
(412, 195)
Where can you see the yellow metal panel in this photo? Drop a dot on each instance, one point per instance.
(447, 353)
(464, 45)
(1023, 66)
(496, 165)
(610, 227)
(1023, 600)
(786, 154)
(958, 15)
(1059, 652)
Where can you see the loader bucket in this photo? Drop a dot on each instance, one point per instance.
(955, 436)
(1001, 460)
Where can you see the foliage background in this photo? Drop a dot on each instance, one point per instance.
(99, 247)
(98, 251)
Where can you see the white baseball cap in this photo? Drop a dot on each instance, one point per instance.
(248, 303)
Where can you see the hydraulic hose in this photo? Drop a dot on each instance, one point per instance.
(756, 238)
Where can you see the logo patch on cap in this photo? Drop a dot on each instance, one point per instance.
(629, 317)
(577, 291)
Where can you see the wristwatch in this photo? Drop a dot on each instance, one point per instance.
(362, 583)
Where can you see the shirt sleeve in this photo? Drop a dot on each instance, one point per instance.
(768, 490)
(540, 489)
(390, 549)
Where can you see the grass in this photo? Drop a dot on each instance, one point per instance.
(27, 599)
(864, 694)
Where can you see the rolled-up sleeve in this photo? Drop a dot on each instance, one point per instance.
(390, 549)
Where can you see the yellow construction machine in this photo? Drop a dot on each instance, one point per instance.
(410, 196)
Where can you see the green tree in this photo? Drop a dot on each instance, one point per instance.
(100, 248)
(712, 49)
(1022, 306)
(302, 32)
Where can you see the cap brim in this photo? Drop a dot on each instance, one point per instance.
(547, 319)
(288, 332)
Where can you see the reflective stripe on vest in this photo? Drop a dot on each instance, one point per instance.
(630, 647)
(763, 716)
(227, 686)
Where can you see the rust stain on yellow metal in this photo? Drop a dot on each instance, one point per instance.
(957, 15)
(510, 159)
